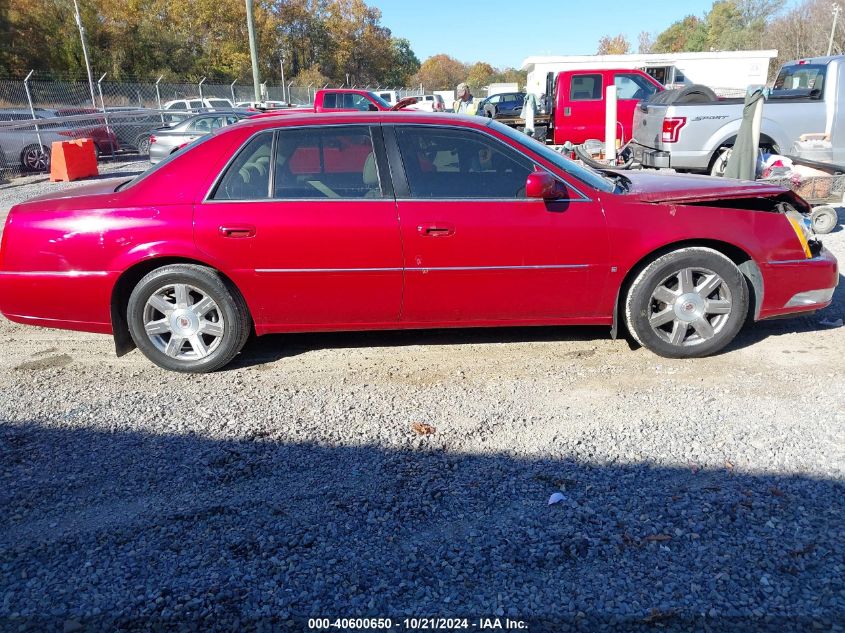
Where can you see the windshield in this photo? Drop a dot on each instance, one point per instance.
(798, 80)
(586, 175)
(384, 104)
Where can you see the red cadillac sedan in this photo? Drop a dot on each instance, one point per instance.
(391, 220)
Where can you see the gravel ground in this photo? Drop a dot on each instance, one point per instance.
(701, 493)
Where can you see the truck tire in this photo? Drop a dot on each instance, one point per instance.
(824, 219)
(696, 93)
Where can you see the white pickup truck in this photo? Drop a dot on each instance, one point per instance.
(805, 99)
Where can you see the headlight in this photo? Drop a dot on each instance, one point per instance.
(803, 227)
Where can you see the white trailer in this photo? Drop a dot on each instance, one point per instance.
(728, 73)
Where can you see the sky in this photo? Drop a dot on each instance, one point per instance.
(495, 32)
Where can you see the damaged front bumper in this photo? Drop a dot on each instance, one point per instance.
(800, 285)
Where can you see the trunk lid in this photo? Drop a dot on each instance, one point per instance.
(681, 188)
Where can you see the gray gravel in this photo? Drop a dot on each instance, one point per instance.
(702, 492)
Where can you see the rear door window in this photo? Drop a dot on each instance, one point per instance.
(586, 87)
(332, 163)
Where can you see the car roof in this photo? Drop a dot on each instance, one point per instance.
(336, 118)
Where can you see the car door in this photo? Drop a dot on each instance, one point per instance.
(307, 217)
(586, 107)
(476, 249)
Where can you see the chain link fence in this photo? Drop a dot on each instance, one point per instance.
(117, 116)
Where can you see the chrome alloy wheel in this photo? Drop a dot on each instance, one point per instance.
(690, 307)
(183, 322)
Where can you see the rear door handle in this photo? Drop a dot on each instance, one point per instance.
(237, 230)
(436, 230)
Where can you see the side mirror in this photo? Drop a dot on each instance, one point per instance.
(541, 184)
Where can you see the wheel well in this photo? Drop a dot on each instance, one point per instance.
(765, 140)
(743, 260)
(123, 342)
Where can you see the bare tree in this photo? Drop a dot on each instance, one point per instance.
(645, 42)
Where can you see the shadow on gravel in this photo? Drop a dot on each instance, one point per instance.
(267, 349)
(273, 347)
(119, 530)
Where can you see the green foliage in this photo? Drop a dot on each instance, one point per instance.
(204, 38)
(687, 34)
(729, 25)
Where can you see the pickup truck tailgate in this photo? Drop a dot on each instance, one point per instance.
(648, 124)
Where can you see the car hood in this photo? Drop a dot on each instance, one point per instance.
(660, 187)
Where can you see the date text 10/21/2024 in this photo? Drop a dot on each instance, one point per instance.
(417, 624)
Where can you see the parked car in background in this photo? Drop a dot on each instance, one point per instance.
(133, 125)
(504, 104)
(691, 136)
(20, 145)
(400, 220)
(94, 127)
(263, 105)
(344, 100)
(195, 103)
(428, 103)
(166, 140)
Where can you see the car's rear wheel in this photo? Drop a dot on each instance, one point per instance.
(687, 303)
(186, 318)
(35, 158)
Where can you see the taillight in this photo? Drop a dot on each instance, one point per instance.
(672, 128)
(152, 139)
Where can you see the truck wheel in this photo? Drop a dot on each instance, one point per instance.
(824, 219)
(688, 303)
(717, 168)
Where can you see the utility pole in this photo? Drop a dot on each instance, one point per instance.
(253, 51)
(84, 52)
(282, 68)
(836, 11)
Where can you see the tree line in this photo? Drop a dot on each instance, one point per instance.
(320, 41)
(802, 31)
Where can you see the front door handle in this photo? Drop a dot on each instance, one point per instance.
(436, 230)
(237, 230)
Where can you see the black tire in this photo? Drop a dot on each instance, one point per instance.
(695, 93)
(230, 309)
(35, 158)
(731, 294)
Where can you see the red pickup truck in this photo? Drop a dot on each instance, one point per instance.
(343, 100)
(576, 102)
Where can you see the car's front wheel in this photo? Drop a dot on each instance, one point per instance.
(688, 303)
(186, 318)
